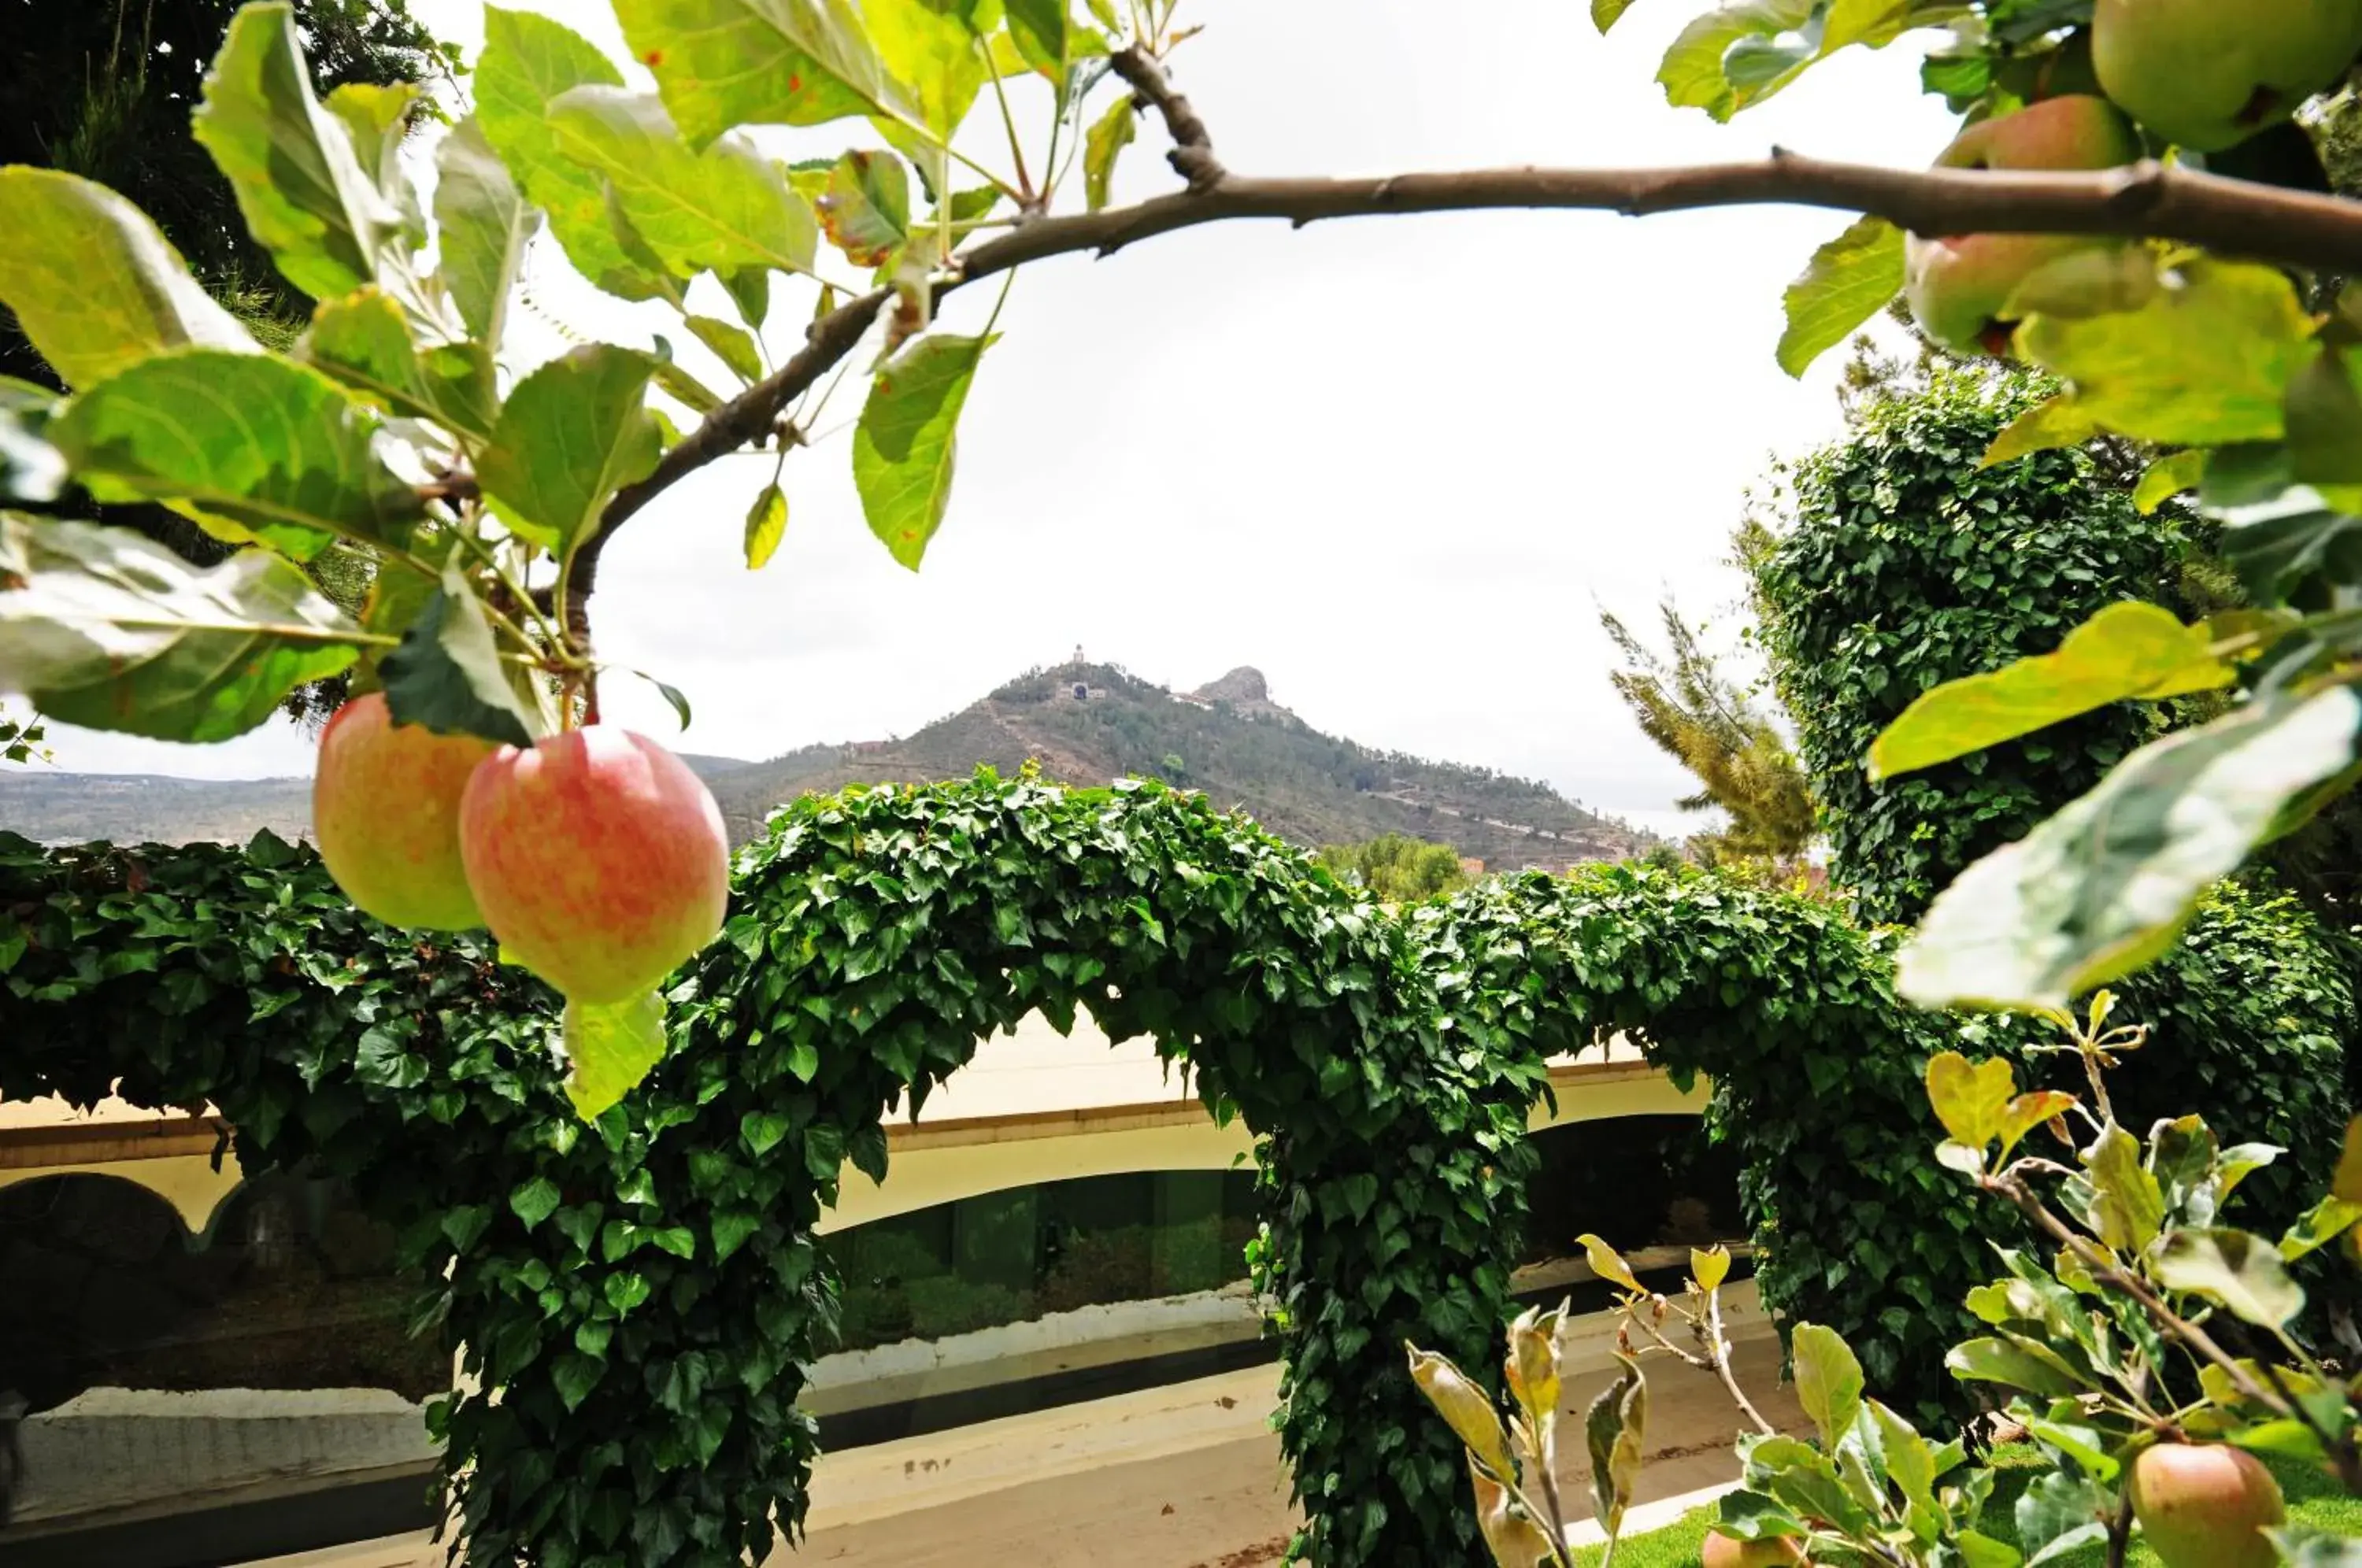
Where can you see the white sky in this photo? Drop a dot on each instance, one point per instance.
(1390, 462)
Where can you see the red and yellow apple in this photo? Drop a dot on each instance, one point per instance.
(2205, 1505)
(2206, 74)
(598, 858)
(385, 810)
(1959, 285)
(1774, 1552)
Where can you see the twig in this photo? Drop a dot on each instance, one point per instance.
(1722, 1362)
(2141, 200)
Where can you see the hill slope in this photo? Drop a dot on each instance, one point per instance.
(1085, 724)
(1093, 723)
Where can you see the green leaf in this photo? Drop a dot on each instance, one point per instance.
(2169, 477)
(1829, 1380)
(609, 1049)
(2313, 1546)
(2128, 1202)
(1727, 60)
(2207, 363)
(766, 524)
(30, 467)
(720, 63)
(94, 284)
(1848, 281)
(575, 1376)
(1107, 138)
(734, 344)
(2126, 652)
(2060, 1514)
(528, 61)
(903, 446)
(2053, 422)
(2013, 1364)
(571, 433)
(104, 628)
(731, 1231)
(2320, 1225)
(724, 209)
(866, 209)
(1604, 13)
(363, 341)
(2323, 419)
(2103, 886)
(300, 184)
(1044, 36)
(258, 447)
(2231, 1268)
(535, 1201)
(2275, 546)
(763, 1131)
(1614, 1432)
(376, 119)
(447, 675)
(483, 225)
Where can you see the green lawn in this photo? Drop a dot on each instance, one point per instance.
(2313, 1500)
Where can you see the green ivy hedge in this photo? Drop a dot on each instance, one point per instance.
(639, 1296)
(1905, 564)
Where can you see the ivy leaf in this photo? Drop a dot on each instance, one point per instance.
(731, 1230)
(574, 1375)
(571, 433)
(447, 675)
(528, 61)
(300, 184)
(1848, 282)
(364, 341)
(2232, 1268)
(720, 63)
(2129, 651)
(94, 285)
(866, 209)
(2104, 886)
(766, 524)
(2204, 363)
(256, 447)
(1102, 144)
(1829, 1380)
(2169, 477)
(484, 224)
(609, 1049)
(535, 1201)
(104, 628)
(724, 209)
(903, 445)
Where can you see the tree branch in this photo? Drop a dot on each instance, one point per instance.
(2147, 200)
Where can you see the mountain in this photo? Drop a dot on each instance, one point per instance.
(1089, 724)
(1085, 723)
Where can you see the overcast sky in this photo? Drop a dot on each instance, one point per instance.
(1390, 462)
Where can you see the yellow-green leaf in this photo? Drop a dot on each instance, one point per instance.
(609, 1049)
(93, 283)
(732, 345)
(2055, 422)
(724, 209)
(766, 524)
(2028, 1111)
(1105, 141)
(1970, 1098)
(2205, 362)
(932, 53)
(299, 182)
(1514, 1540)
(1464, 1407)
(1607, 1261)
(1614, 1430)
(720, 63)
(1604, 13)
(866, 207)
(2129, 1206)
(2169, 477)
(2346, 1183)
(483, 225)
(1829, 1381)
(1532, 1363)
(903, 445)
(2125, 652)
(363, 341)
(572, 433)
(2238, 1271)
(1710, 1267)
(1848, 282)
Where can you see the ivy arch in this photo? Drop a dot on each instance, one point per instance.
(639, 1294)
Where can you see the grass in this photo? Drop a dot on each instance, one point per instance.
(2313, 1500)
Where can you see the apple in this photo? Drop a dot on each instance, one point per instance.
(1725, 1551)
(1959, 285)
(2204, 1506)
(385, 810)
(598, 858)
(2208, 76)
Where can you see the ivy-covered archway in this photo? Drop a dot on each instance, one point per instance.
(639, 1294)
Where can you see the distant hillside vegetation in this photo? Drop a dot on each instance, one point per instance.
(1091, 723)
(1085, 724)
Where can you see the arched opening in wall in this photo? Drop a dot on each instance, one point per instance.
(248, 1389)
